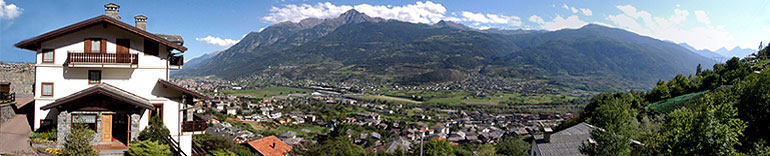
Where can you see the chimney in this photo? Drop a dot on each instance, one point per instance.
(273, 145)
(111, 10)
(141, 22)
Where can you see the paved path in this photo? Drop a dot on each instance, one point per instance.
(14, 136)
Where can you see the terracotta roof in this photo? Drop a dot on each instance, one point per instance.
(102, 89)
(33, 43)
(183, 90)
(270, 146)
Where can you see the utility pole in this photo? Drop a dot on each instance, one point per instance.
(422, 137)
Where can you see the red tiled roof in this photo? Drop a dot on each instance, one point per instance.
(270, 146)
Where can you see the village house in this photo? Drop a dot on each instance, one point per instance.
(269, 146)
(110, 77)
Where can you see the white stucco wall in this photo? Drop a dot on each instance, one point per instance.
(140, 80)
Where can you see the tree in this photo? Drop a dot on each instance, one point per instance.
(512, 146)
(148, 148)
(156, 131)
(342, 145)
(607, 143)
(698, 69)
(222, 152)
(614, 112)
(754, 106)
(711, 128)
(487, 150)
(79, 142)
(435, 148)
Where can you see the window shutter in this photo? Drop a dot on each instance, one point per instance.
(87, 48)
(103, 47)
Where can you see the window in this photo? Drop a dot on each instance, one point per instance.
(150, 47)
(94, 76)
(157, 111)
(86, 120)
(96, 45)
(47, 88)
(48, 55)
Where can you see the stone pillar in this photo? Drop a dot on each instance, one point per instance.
(62, 128)
(134, 126)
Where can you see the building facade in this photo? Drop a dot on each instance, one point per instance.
(111, 77)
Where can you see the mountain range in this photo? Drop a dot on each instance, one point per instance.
(721, 54)
(356, 47)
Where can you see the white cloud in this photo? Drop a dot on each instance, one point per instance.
(9, 11)
(490, 18)
(703, 36)
(575, 10)
(218, 41)
(701, 16)
(420, 12)
(571, 22)
(536, 19)
(586, 11)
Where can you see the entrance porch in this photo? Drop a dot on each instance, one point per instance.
(113, 114)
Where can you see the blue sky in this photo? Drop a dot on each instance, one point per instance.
(209, 26)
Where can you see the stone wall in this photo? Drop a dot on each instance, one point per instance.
(6, 111)
(62, 128)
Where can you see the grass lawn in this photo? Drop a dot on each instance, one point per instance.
(265, 92)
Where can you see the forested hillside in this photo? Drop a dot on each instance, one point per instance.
(723, 111)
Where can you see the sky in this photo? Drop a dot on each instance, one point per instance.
(209, 26)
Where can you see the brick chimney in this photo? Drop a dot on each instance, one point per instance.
(141, 22)
(111, 10)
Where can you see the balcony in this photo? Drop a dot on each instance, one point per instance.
(176, 60)
(194, 126)
(96, 59)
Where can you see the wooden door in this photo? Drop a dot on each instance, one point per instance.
(107, 128)
(122, 50)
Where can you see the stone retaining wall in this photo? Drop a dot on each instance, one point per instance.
(6, 111)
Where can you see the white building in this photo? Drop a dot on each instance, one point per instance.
(112, 77)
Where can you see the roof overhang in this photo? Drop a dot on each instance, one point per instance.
(183, 90)
(34, 43)
(102, 89)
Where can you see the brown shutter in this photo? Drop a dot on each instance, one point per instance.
(103, 47)
(87, 48)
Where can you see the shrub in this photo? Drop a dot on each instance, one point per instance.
(79, 142)
(156, 131)
(148, 148)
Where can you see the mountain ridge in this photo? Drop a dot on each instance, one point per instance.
(355, 46)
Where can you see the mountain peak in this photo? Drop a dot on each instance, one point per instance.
(351, 12)
(451, 24)
(353, 16)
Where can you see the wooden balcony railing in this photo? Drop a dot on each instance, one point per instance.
(193, 126)
(101, 58)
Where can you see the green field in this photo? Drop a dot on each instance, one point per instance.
(465, 97)
(390, 99)
(265, 92)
